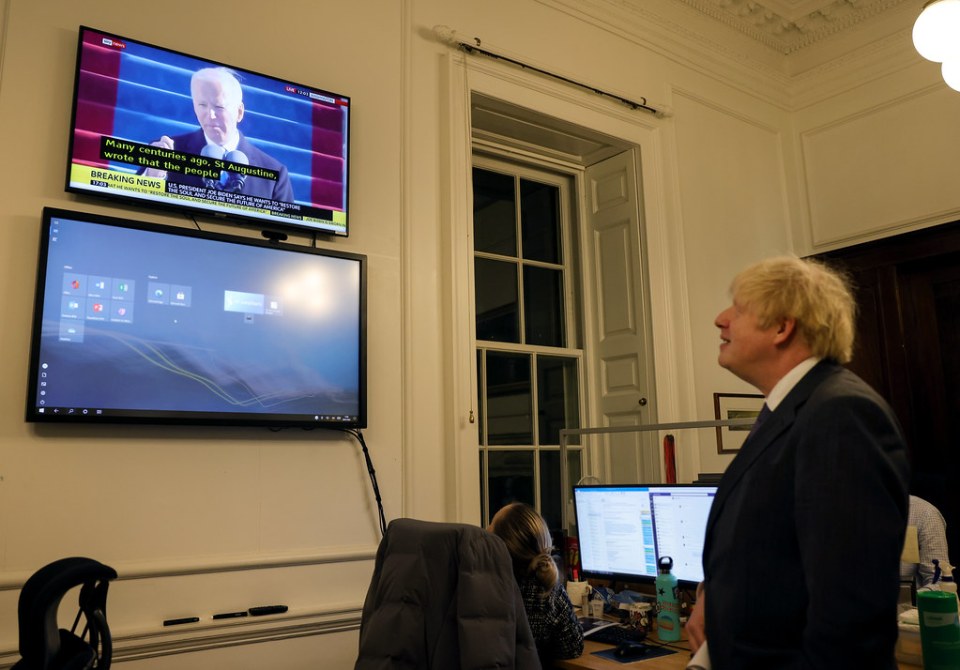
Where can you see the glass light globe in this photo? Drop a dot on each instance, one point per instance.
(936, 33)
(951, 72)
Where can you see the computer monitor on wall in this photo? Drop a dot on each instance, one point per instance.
(140, 323)
(624, 529)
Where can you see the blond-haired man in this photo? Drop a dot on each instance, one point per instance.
(802, 555)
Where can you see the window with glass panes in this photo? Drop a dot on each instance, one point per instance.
(529, 364)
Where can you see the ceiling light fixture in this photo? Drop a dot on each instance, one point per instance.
(936, 35)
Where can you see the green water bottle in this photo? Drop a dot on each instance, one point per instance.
(668, 602)
(939, 630)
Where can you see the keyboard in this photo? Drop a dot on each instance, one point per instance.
(616, 634)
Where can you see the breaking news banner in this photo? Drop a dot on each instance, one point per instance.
(103, 179)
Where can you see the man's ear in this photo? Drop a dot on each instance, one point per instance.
(785, 330)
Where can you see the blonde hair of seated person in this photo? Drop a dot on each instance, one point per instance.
(528, 540)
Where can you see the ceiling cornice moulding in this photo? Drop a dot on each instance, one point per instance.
(773, 24)
(866, 49)
(682, 35)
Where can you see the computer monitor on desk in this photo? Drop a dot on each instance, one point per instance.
(624, 529)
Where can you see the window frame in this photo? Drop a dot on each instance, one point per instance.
(568, 182)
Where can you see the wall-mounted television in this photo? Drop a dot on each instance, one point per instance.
(152, 126)
(138, 323)
(624, 529)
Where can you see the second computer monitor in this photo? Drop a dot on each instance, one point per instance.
(624, 529)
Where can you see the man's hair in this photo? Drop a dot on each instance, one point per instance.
(223, 75)
(819, 298)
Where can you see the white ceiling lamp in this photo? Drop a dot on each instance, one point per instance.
(936, 33)
(951, 73)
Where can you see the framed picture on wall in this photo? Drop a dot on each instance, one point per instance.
(728, 406)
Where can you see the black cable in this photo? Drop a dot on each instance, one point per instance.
(373, 477)
(76, 622)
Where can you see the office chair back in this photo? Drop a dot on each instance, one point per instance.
(444, 597)
(45, 647)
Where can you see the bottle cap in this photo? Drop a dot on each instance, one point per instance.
(936, 601)
(665, 563)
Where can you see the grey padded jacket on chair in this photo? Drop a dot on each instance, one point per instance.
(443, 596)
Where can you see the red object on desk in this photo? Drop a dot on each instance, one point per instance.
(669, 459)
(572, 551)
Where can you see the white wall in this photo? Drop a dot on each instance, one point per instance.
(738, 172)
(880, 159)
(198, 520)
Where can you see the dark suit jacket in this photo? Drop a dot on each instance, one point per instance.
(193, 143)
(803, 542)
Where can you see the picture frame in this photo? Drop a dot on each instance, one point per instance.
(727, 406)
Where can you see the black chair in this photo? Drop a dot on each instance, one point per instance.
(42, 645)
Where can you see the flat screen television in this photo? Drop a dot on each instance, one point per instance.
(137, 323)
(623, 530)
(269, 151)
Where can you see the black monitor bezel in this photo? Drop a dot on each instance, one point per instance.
(184, 207)
(169, 418)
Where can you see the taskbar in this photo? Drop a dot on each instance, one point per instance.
(49, 413)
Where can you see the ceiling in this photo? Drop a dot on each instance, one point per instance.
(790, 25)
(781, 39)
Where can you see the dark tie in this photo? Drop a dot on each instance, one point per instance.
(761, 417)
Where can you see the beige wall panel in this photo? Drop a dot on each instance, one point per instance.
(733, 192)
(885, 169)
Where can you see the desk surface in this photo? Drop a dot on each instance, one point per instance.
(678, 661)
(589, 661)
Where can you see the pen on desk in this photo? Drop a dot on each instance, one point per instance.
(229, 615)
(177, 622)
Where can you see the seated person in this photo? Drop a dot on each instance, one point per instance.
(218, 104)
(931, 540)
(552, 619)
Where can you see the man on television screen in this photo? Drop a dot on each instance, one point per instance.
(218, 104)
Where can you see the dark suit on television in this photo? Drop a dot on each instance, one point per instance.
(193, 143)
(803, 541)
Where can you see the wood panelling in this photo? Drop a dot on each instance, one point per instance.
(908, 290)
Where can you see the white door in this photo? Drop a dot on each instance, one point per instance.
(621, 369)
